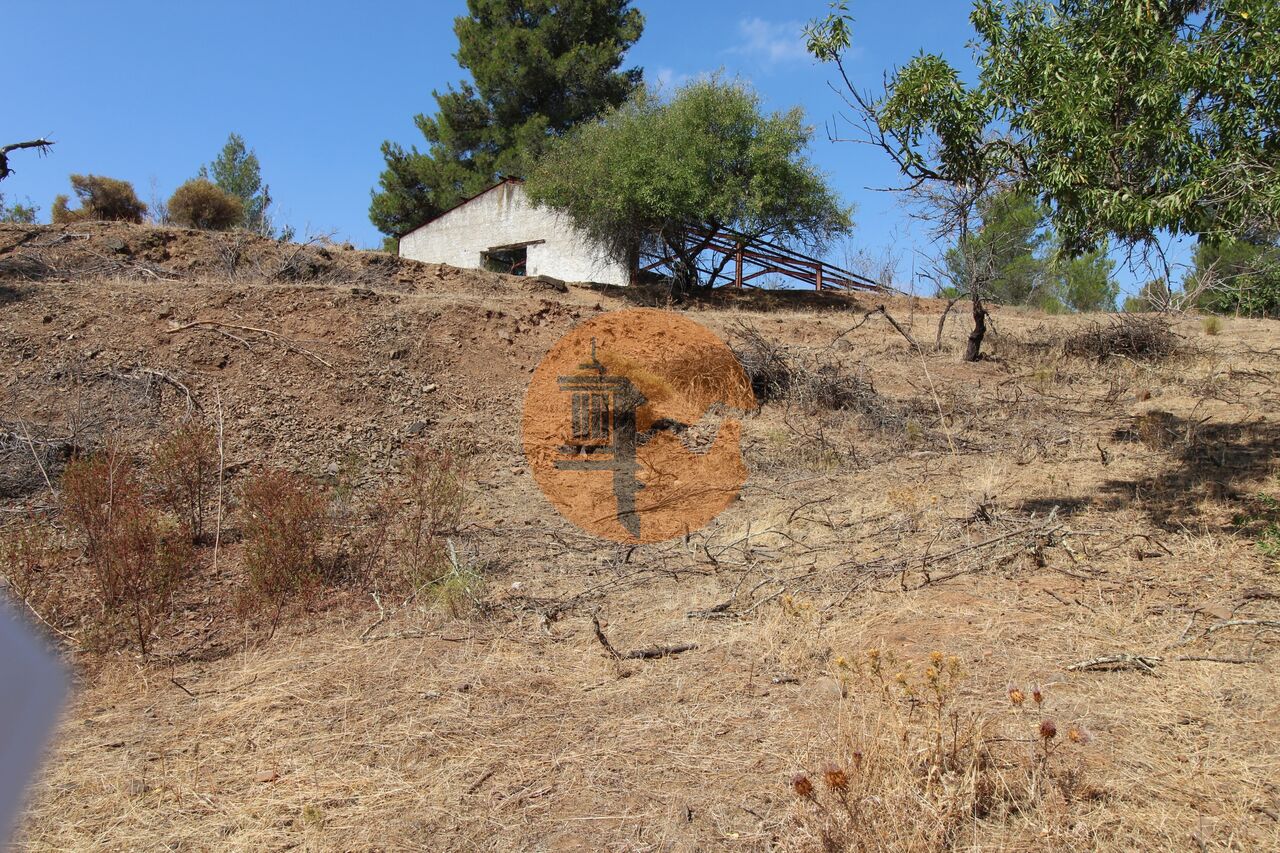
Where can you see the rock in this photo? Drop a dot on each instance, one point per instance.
(115, 244)
(427, 389)
(266, 776)
(416, 428)
(334, 468)
(46, 319)
(546, 282)
(399, 353)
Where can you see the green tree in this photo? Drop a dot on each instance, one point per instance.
(538, 68)
(1086, 283)
(1153, 296)
(23, 214)
(236, 170)
(1125, 117)
(1236, 277)
(652, 174)
(1007, 245)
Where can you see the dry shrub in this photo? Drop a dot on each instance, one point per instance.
(922, 766)
(29, 560)
(100, 198)
(1136, 336)
(183, 474)
(811, 381)
(200, 203)
(406, 545)
(284, 521)
(132, 560)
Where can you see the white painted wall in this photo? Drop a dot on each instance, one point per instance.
(503, 216)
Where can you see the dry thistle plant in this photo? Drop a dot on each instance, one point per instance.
(132, 560)
(923, 765)
(406, 543)
(284, 523)
(183, 474)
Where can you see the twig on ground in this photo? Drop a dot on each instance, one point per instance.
(637, 654)
(1146, 664)
(216, 325)
(129, 373)
(26, 433)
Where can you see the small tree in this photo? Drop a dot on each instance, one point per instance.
(654, 175)
(22, 214)
(100, 198)
(200, 204)
(1236, 277)
(236, 171)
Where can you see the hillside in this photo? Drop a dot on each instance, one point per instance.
(1039, 509)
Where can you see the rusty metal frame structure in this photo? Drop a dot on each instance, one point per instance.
(752, 258)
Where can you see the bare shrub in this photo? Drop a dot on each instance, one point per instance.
(406, 545)
(28, 566)
(923, 764)
(810, 381)
(133, 561)
(183, 474)
(200, 203)
(100, 198)
(284, 521)
(1135, 336)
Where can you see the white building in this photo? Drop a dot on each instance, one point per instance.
(501, 230)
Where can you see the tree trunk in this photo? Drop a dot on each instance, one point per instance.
(973, 352)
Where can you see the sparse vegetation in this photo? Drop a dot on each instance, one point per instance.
(184, 470)
(201, 204)
(284, 521)
(132, 559)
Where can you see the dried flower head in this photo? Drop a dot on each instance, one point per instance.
(802, 785)
(935, 658)
(1079, 734)
(835, 777)
(931, 674)
(1016, 696)
(1048, 729)
(1037, 695)
(842, 662)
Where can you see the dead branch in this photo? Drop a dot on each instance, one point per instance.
(1146, 664)
(637, 654)
(43, 144)
(867, 316)
(215, 325)
(132, 372)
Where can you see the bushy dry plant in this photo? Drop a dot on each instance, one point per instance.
(183, 474)
(200, 203)
(284, 520)
(1141, 337)
(407, 542)
(132, 560)
(100, 198)
(923, 766)
(811, 382)
(29, 559)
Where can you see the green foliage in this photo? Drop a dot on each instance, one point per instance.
(1124, 117)
(21, 214)
(100, 198)
(1240, 277)
(1023, 262)
(1153, 296)
(708, 157)
(539, 68)
(236, 171)
(201, 204)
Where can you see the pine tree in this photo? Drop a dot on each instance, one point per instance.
(236, 171)
(538, 68)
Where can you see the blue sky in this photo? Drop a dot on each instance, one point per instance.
(148, 91)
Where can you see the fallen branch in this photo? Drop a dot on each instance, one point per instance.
(637, 654)
(1145, 664)
(867, 316)
(131, 373)
(218, 326)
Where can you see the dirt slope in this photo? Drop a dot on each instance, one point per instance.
(1024, 514)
